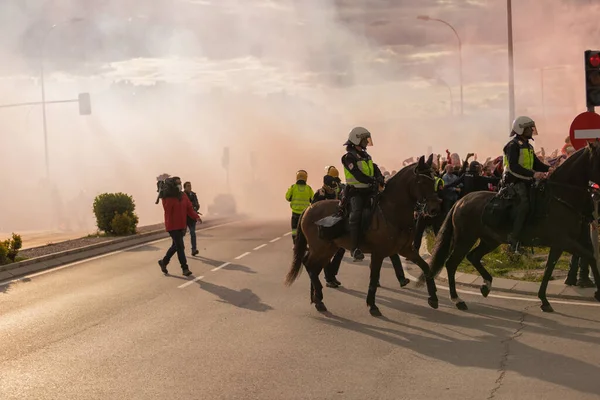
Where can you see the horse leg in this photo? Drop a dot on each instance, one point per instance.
(553, 256)
(414, 257)
(475, 257)
(375, 267)
(313, 268)
(458, 254)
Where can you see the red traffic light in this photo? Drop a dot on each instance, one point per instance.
(595, 60)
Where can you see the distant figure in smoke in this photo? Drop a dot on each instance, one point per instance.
(191, 223)
(299, 195)
(177, 208)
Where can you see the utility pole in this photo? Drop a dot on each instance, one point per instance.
(511, 66)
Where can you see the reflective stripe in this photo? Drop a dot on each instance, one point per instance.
(301, 196)
(526, 157)
(437, 183)
(366, 167)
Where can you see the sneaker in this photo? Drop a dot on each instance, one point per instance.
(186, 271)
(332, 284)
(337, 282)
(163, 267)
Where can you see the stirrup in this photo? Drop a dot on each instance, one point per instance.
(357, 254)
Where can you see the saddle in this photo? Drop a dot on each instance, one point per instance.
(337, 225)
(500, 212)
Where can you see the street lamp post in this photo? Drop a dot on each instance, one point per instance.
(427, 18)
(511, 66)
(42, 54)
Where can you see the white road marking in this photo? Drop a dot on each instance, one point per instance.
(260, 247)
(586, 133)
(47, 271)
(274, 240)
(242, 255)
(220, 266)
(190, 282)
(288, 234)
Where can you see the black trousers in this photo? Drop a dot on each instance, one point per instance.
(522, 190)
(176, 247)
(332, 269)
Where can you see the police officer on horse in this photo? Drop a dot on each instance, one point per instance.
(521, 167)
(363, 181)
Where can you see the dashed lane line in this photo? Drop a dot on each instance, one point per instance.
(220, 266)
(242, 255)
(287, 234)
(227, 263)
(190, 282)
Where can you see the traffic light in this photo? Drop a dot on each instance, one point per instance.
(592, 78)
(85, 105)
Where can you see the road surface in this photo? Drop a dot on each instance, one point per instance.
(116, 328)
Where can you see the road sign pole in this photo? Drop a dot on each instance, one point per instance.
(594, 234)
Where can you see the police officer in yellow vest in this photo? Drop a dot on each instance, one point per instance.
(363, 180)
(299, 195)
(521, 166)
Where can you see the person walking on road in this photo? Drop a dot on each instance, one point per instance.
(177, 208)
(191, 223)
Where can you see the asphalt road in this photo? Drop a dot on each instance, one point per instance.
(116, 328)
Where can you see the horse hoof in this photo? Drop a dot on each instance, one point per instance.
(597, 295)
(462, 306)
(484, 290)
(404, 282)
(375, 311)
(547, 308)
(433, 303)
(320, 307)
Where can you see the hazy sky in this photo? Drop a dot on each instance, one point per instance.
(284, 79)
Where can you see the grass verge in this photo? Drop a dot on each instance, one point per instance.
(501, 263)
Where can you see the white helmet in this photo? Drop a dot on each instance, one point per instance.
(522, 123)
(357, 135)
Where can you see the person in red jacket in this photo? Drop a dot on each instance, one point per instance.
(177, 208)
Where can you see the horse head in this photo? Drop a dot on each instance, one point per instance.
(423, 187)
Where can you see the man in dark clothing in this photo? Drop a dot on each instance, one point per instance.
(191, 223)
(521, 167)
(329, 191)
(177, 208)
(473, 181)
(363, 181)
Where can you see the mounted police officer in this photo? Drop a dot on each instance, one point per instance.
(363, 180)
(521, 167)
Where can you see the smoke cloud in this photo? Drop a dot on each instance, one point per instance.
(281, 82)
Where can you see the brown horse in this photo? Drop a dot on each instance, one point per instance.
(391, 232)
(560, 220)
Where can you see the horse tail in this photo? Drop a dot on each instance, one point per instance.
(442, 247)
(299, 251)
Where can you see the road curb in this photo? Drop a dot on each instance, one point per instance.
(21, 268)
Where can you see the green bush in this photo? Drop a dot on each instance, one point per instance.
(124, 223)
(9, 249)
(109, 205)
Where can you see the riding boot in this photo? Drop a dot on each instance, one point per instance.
(355, 237)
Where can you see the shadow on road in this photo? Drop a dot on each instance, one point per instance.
(230, 267)
(493, 334)
(245, 298)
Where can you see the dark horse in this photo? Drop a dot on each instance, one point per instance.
(560, 220)
(390, 232)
